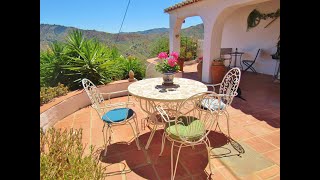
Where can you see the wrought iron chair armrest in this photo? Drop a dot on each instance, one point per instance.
(213, 85)
(228, 95)
(164, 114)
(114, 92)
(110, 105)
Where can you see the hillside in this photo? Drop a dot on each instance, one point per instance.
(129, 43)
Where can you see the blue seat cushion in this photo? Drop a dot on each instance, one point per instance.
(212, 104)
(117, 115)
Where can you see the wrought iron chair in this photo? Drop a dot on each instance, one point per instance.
(249, 63)
(112, 114)
(189, 124)
(227, 90)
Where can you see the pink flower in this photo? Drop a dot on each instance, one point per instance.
(174, 54)
(162, 55)
(172, 62)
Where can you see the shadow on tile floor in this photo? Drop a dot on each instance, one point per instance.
(148, 164)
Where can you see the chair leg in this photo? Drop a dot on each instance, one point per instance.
(209, 155)
(135, 133)
(172, 145)
(252, 69)
(249, 66)
(107, 139)
(175, 168)
(227, 117)
(151, 136)
(163, 143)
(173, 173)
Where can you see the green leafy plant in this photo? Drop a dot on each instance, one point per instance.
(160, 45)
(81, 57)
(137, 66)
(220, 59)
(62, 156)
(188, 47)
(277, 54)
(255, 16)
(48, 93)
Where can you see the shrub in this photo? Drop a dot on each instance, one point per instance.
(78, 58)
(48, 93)
(136, 65)
(62, 156)
(188, 47)
(160, 45)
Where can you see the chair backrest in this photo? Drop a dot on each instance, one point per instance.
(229, 85)
(256, 55)
(151, 71)
(192, 121)
(94, 95)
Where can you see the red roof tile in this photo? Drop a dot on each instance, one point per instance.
(179, 5)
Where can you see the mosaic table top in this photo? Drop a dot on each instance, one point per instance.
(146, 89)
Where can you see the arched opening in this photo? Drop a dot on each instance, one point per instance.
(191, 40)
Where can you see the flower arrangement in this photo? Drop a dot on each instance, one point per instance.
(168, 63)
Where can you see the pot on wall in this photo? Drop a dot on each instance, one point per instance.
(181, 63)
(218, 70)
(199, 69)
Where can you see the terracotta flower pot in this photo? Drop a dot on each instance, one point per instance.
(218, 70)
(199, 69)
(181, 63)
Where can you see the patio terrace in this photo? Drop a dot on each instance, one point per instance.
(254, 124)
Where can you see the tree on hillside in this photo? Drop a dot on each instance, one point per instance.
(160, 45)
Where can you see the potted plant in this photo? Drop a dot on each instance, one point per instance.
(181, 63)
(277, 54)
(218, 70)
(168, 66)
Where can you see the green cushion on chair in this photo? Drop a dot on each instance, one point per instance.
(117, 115)
(192, 131)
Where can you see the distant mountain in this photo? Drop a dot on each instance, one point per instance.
(154, 31)
(135, 43)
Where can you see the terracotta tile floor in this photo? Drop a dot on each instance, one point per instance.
(255, 122)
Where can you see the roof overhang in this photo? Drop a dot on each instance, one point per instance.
(180, 5)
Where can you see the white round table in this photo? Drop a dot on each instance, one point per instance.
(146, 89)
(149, 96)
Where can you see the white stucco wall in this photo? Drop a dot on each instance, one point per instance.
(235, 35)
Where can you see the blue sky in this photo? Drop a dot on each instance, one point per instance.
(106, 15)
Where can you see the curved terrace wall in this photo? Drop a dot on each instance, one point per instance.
(74, 101)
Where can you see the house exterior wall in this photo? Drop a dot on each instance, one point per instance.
(235, 35)
(214, 14)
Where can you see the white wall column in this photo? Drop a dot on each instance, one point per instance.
(174, 33)
(211, 45)
(213, 28)
(206, 65)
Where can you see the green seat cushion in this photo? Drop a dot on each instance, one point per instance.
(117, 115)
(191, 129)
(212, 104)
